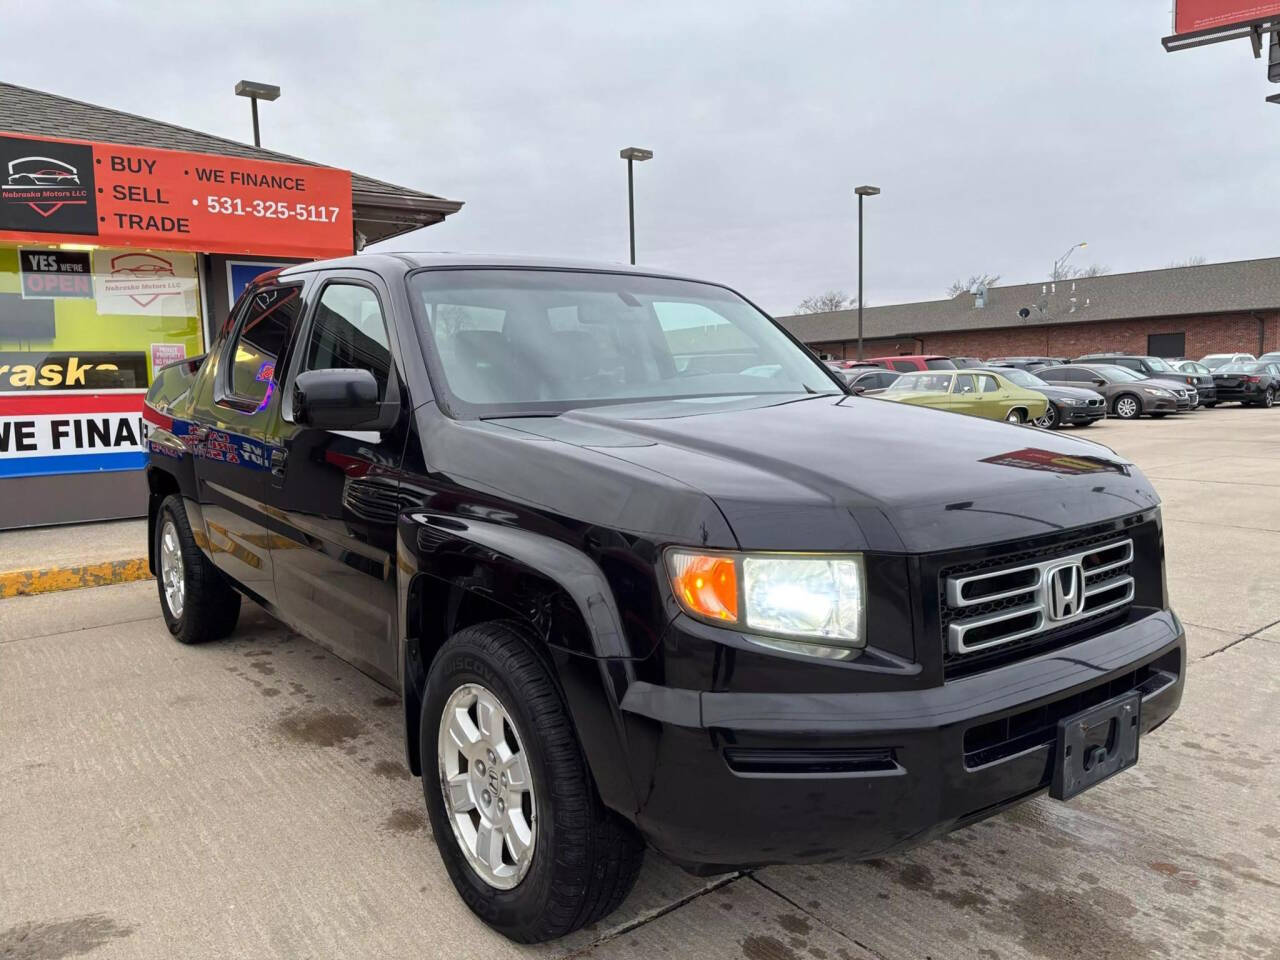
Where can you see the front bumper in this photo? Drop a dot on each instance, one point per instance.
(1161, 405)
(745, 779)
(1080, 414)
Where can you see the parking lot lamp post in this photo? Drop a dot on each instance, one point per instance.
(862, 191)
(632, 154)
(255, 92)
(1057, 264)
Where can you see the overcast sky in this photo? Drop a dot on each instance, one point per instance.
(1000, 132)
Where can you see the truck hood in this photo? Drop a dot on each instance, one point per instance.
(852, 473)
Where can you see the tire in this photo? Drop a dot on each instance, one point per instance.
(1269, 398)
(1050, 420)
(1160, 415)
(1016, 415)
(197, 601)
(1210, 404)
(583, 859)
(1128, 407)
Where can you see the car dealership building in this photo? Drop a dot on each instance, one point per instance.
(1175, 312)
(123, 243)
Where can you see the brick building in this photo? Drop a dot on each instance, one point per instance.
(1176, 312)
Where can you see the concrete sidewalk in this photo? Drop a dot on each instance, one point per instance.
(47, 559)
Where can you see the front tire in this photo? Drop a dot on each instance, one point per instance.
(197, 601)
(500, 756)
(1050, 419)
(1128, 407)
(1269, 398)
(1015, 416)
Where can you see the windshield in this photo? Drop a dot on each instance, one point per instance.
(920, 383)
(1114, 373)
(511, 342)
(1022, 378)
(1241, 368)
(1156, 363)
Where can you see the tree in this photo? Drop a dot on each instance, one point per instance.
(973, 283)
(1195, 261)
(1066, 272)
(827, 302)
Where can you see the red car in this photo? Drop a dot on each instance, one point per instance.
(906, 364)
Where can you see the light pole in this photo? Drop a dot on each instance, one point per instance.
(255, 92)
(1057, 264)
(632, 154)
(862, 191)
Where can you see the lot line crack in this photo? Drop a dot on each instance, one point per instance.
(92, 626)
(1247, 636)
(818, 920)
(652, 915)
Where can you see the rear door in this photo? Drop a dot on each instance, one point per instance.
(229, 434)
(336, 492)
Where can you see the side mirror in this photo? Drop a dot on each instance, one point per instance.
(1099, 382)
(336, 399)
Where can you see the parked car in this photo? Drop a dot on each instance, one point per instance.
(988, 394)
(1031, 364)
(966, 363)
(905, 364)
(871, 382)
(1251, 384)
(1214, 360)
(624, 602)
(1199, 371)
(1272, 357)
(1157, 368)
(1128, 395)
(1068, 406)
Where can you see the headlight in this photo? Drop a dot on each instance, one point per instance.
(812, 604)
(1155, 392)
(1070, 402)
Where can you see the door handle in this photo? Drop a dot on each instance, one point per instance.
(278, 460)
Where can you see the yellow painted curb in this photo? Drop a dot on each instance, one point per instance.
(22, 583)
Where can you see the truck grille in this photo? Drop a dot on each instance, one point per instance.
(1000, 608)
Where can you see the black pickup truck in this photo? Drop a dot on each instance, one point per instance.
(643, 571)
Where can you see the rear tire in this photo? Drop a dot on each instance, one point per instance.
(1128, 407)
(1269, 398)
(582, 858)
(197, 601)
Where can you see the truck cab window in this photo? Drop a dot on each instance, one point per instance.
(349, 332)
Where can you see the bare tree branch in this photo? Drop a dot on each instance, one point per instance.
(827, 302)
(973, 283)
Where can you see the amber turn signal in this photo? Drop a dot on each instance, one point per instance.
(706, 585)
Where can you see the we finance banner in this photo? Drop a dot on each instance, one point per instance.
(51, 433)
(54, 190)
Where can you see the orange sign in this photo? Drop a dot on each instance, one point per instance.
(72, 191)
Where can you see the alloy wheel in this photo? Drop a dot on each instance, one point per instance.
(172, 574)
(1050, 418)
(488, 786)
(1126, 407)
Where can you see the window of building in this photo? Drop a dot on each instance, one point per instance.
(349, 332)
(1167, 344)
(270, 318)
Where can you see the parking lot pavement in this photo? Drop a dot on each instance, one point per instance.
(249, 798)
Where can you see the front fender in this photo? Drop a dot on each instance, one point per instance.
(455, 571)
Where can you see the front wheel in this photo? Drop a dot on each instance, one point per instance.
(1128, 407)
(1050, 418)
(526, 841)
(1269, 398)
(197, 602)
(1014, 416)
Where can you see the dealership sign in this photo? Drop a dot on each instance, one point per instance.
(53, 433)
(1193, 16)
(54, 190)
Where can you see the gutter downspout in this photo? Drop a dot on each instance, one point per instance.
(1262, 331)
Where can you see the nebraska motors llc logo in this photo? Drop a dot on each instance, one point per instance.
(46, 186)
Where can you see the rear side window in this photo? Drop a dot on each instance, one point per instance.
(350, 332)
(939, 363)
(1071, 375)
(987, 384)
(270, 318)
(903, 366)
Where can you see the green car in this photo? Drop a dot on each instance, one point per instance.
(977, 394)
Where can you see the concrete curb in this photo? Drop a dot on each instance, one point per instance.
(22, 583)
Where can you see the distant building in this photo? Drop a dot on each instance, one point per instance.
(1175, 312)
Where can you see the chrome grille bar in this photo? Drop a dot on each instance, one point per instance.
(969, 634)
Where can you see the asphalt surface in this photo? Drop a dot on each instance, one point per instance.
(248, 798)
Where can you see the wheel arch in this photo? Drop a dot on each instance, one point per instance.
(160, 484)
(456, 573)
